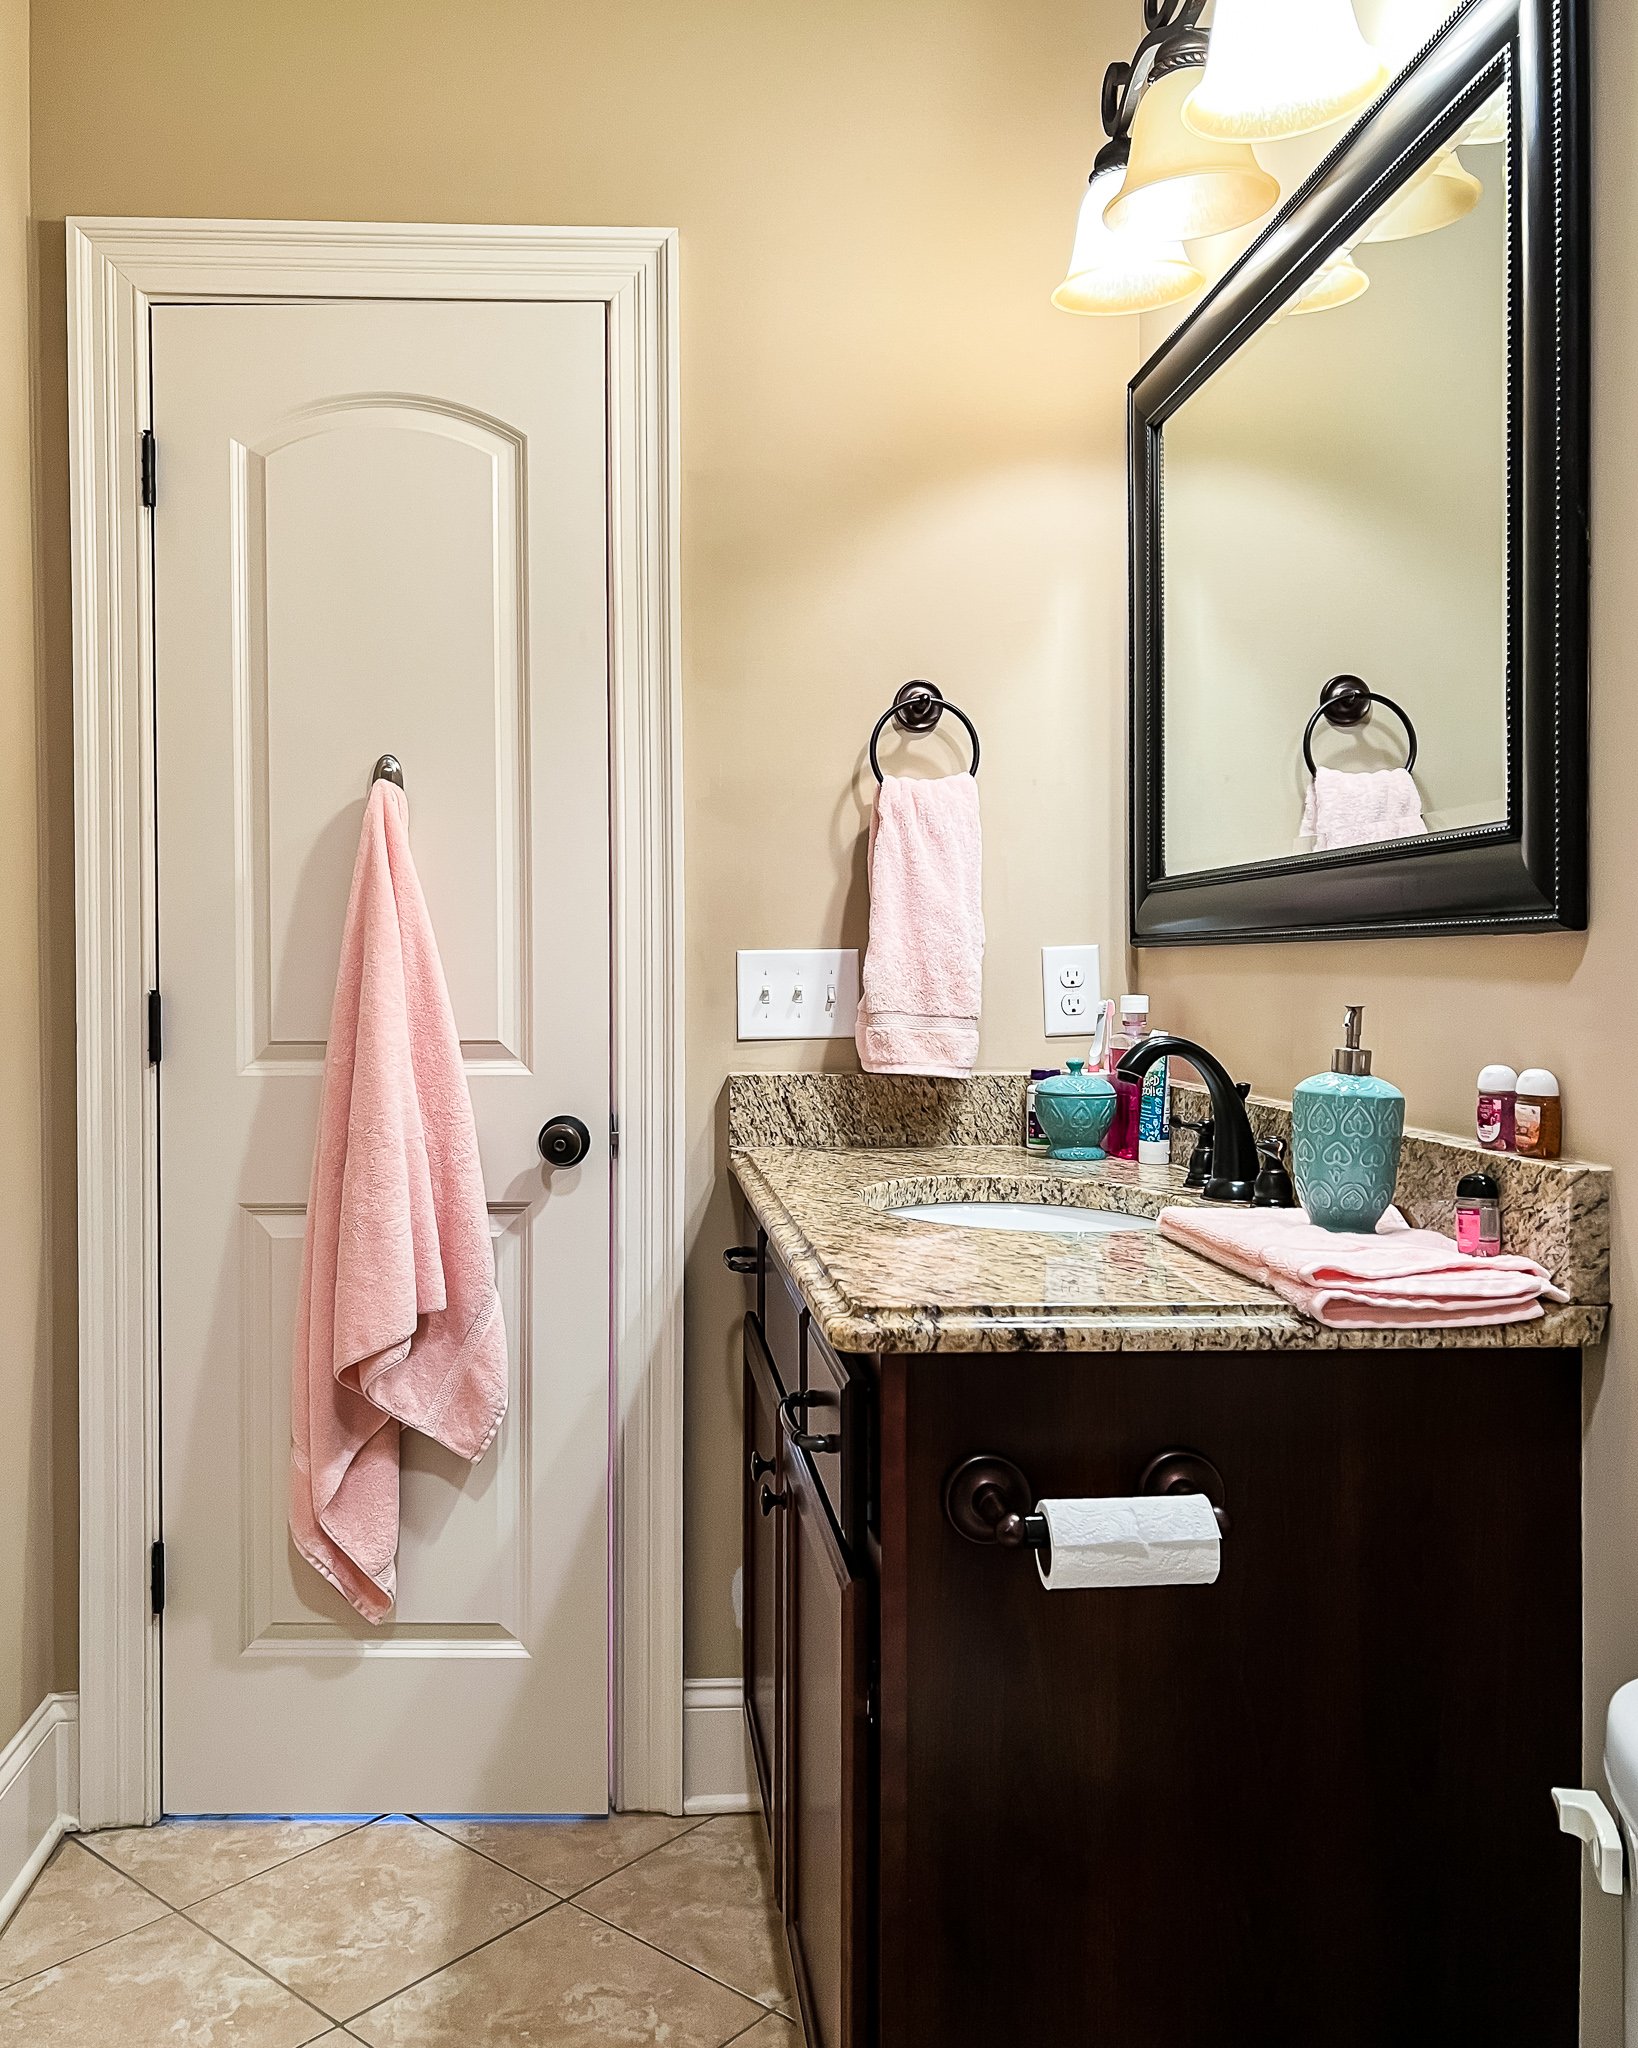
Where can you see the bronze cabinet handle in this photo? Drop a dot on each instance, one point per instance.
(772, 1500)
(788, 1412)
(759, 1465)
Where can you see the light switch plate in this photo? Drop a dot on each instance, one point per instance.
(1070, 990)
(798, 995)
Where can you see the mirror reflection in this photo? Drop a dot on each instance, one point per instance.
(1334, 544)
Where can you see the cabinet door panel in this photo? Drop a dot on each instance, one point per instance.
(763, 1562)
(827, 1735)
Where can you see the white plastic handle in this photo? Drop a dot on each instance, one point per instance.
(1585, 1814)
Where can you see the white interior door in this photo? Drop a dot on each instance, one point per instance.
(381, 528)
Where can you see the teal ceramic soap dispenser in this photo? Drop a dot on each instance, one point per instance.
(1346, 1130)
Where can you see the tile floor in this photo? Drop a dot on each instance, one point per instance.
(404, 1934)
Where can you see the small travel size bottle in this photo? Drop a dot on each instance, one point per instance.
(1498, 1093)
(1538, 1115)
(1035, 1139)
(1478, 1216)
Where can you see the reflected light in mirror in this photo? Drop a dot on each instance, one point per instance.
(1128, 272)
(1179, 185)
(1282, 67)
(1337, 283)
(1489, 124)
(1442, 193)
(1400, 30)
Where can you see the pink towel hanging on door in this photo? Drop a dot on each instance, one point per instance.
(398, 1323)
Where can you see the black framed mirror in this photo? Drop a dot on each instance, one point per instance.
(1359, 539)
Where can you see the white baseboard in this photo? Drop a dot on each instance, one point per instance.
(718, 1776)
(39, 1794)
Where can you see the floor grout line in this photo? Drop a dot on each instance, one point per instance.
(167, 1911)
(764, 2006)
(699, 1971)
(760, 2020)
(333, 2019)
(477, 1948)
(294, 1857)
(261, 1969)
(591, 1884)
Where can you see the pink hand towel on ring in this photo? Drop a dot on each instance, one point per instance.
(398, 1323)
(922, 986)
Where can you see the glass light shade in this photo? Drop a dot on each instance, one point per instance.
(1489, 124)
(1282, 67)
(1180, 186)
(1401, 29)
(1338, 283)
(1441, 194)
(1121, 273)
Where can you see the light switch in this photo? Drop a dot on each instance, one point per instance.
(1070, 989)
(798, 995)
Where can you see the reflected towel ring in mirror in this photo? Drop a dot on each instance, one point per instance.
(918, 707)
(1346, 701)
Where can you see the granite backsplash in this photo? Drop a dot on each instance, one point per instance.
(1556, 1211)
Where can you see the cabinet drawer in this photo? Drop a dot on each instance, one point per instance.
(784, 1322)
(833, 1408)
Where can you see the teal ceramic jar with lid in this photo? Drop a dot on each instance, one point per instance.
(1075, 1111)
(1346, 1130)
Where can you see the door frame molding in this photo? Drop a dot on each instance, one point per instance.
(117, 270)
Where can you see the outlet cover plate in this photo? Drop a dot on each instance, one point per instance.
(788, 994)
(1070, 990)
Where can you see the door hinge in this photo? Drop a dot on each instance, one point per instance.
(156, 1032)
(614, 1135)
(150, 469)
(156, 1578)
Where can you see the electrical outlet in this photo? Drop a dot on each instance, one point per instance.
(798, 995)
(1070, 989)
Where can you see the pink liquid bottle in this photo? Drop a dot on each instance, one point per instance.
(1122, 1141)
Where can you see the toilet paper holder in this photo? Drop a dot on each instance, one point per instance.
(988, 1500)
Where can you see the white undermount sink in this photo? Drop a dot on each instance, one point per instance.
(1052, 1217)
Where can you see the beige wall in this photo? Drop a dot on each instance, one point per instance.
(1438, 1009)
(28, 1661)
(898, 459)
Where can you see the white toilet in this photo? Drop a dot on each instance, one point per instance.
(1613, 1846)
(1621, 1769)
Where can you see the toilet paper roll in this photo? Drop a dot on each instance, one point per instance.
(1169, 1539)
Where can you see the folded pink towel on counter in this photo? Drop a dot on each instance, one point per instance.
(1347, 809)
(398, 1323)
(922, 986)
(1349, 1280)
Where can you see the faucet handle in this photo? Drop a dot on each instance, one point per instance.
(1273, 1189)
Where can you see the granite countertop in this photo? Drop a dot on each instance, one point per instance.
(876, 1282)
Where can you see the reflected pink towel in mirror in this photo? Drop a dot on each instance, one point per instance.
(398, 1323)
(922, 984)
(1345, 808)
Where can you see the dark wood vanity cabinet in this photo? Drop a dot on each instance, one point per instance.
(766, 1501)
(829, 1768)
(1310, 1803)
